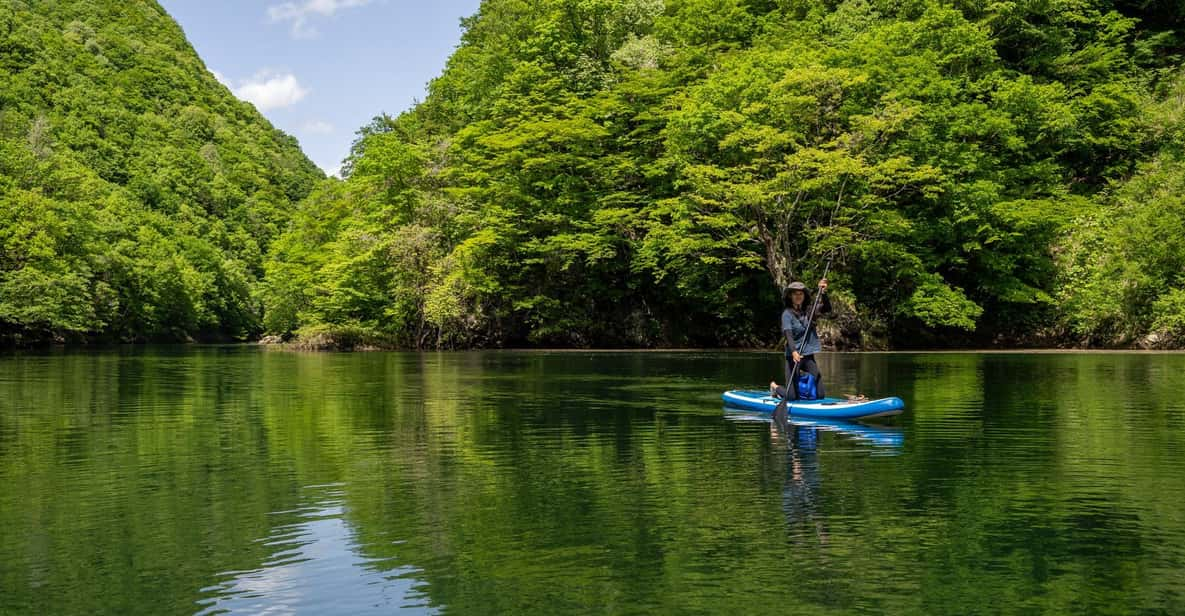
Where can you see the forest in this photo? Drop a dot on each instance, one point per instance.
(138, 196)
(615, 173)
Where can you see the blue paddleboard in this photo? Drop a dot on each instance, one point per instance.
(827, 408)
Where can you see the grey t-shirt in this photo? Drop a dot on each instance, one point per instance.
(797, 326)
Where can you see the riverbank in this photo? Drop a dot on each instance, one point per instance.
(337, 345)
(347, 339)
(326, 343)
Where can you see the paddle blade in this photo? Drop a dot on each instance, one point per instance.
(781, 415)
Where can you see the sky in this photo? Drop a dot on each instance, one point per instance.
(321, 69)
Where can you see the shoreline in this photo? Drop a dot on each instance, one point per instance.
(1014, 351)
(297, 347)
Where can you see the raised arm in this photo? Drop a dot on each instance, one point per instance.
(824, 300)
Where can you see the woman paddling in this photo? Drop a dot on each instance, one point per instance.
(794, 328)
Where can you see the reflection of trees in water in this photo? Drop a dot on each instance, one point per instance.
(494, 498)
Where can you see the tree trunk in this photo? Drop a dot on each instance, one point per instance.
(778, 260)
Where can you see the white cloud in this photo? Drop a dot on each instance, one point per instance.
(316, 127)
(268, 90)
(300, 13)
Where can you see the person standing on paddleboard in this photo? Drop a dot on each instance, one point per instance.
(794, 328)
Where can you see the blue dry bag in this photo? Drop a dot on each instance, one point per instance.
(807, 386)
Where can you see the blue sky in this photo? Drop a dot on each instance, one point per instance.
(320, 69)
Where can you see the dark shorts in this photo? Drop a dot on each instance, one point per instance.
(807, 365)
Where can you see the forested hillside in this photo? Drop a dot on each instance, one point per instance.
(640, 172)
(615, 173)
(137, 194)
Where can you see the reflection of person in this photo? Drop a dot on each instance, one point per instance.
(798, 335)
(803, 480)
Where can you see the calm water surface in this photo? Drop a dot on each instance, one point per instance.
(236, 480)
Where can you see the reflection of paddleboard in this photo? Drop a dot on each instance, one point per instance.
(827, 408)
(881, 436)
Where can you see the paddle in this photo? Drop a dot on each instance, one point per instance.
(780, 412)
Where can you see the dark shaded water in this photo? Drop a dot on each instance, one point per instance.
(231, 479)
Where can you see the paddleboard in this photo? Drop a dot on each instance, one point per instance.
(827, 408)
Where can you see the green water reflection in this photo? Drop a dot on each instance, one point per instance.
(232, 479)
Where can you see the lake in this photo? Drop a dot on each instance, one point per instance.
(235, 479)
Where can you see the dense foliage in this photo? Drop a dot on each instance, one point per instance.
(637, 172)
(615, 172)
(137, 195)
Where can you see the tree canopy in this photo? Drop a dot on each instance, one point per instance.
(640, 172)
